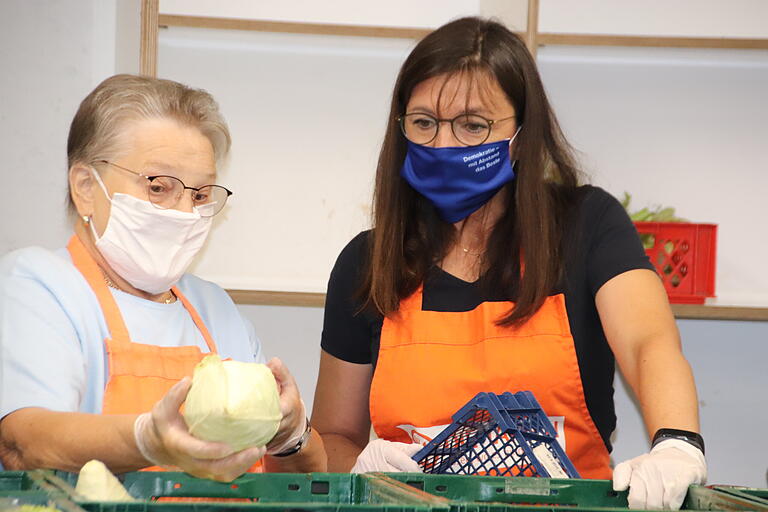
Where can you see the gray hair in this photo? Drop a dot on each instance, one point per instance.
(94, 132)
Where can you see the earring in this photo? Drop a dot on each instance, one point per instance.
(86, 219)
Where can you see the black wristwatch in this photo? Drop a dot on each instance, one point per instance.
(299, 445)
(689, 437)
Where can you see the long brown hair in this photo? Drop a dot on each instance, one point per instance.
(408, 236)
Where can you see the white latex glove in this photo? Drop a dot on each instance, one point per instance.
(164, 440)
(381, 455)
(659, 479)
(294, 422)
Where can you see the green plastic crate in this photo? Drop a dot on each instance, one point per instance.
(726, 498)
(759, 495)
(375, 492)
(15, 481)
(517, 494)
(518, 490)
(19, 488)
(269, 492)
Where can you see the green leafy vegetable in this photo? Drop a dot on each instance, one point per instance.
(656, 214)
(233, 402)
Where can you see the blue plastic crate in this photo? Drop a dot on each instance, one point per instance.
(500, 435)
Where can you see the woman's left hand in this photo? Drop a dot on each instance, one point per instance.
(659, 480)
(294, 422)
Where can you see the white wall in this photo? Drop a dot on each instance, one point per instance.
(52, 53)
(393, 13)
(676, 127)
(682, 18)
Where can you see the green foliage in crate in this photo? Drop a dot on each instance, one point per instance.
(655, 214)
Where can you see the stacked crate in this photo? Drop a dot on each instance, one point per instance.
(337, 492)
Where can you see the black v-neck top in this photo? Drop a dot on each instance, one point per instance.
(602, 243)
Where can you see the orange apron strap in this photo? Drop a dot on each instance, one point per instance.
(413, 302)
(93, 274)
(198, 321)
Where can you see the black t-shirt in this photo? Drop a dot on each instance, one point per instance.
(601, 243)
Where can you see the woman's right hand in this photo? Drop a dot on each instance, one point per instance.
(389, 456)
(163, 439)
(294, 422)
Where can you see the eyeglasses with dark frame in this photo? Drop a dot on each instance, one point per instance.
(469, 129)
(164, 192)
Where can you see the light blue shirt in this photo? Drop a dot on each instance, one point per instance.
(52, 330)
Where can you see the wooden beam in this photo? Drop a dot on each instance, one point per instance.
(651, 41)
(704, 312)
(272, 298)
(292, 27)
(317, 300)
(150, 11)
(541, 39)
(532, 27)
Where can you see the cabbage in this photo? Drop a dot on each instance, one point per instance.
(97, 483)
(233, 402)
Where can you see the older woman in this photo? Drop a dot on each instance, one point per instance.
(98, 339)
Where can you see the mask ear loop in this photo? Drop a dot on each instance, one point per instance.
(101, 183)
(87, 218)
(510, 144)
(515, 135)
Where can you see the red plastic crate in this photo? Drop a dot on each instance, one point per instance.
(684, 256)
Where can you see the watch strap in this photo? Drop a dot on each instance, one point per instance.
(299, 445)
(692, 438)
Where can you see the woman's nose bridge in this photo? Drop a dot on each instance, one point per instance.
(186, 202)
(445, 136)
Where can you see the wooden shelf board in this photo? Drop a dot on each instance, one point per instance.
(170, 20)
(712, 312)
(538, 39)
(682, 311)
(652, 41)
(272, 298)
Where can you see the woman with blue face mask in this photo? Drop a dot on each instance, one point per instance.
(490, 268)
(99, 339)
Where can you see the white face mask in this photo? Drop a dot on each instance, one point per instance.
(149, 247)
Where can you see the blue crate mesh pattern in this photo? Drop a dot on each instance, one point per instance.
(496, 435)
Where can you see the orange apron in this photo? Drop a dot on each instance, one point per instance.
(139, 375)
(431, 363)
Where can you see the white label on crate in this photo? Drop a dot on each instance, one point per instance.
(559, 423)
(422, 435)
(549, 462)
(527, 486)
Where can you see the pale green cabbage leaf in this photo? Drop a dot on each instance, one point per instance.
(233, 402)
(97, 483)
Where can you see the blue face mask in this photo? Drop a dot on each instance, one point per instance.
(458, 180)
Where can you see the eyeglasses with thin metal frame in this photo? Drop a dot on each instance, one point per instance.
(469, 129)
(164, 192)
